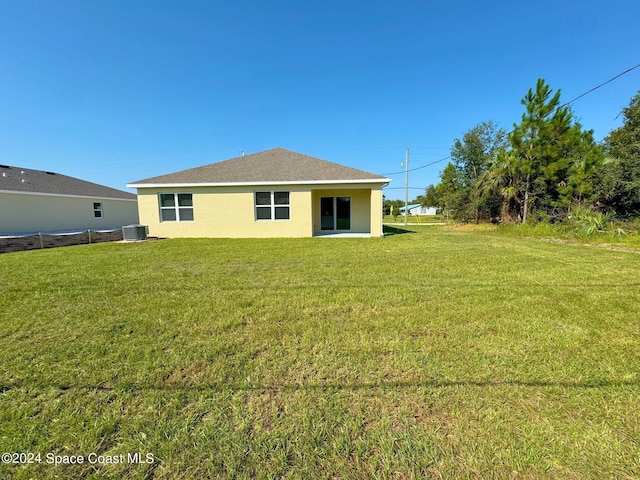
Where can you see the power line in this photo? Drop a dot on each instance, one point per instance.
(566, 104)
(508, 133)
(418, 168)
(599, 86)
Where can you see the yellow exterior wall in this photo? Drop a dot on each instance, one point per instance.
(226, 212)
(376, 212)
(26, 213)
(229, 212)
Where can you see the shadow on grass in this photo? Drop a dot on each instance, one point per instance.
(389, 231)
(353, 386)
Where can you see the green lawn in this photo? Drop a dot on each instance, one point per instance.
(444, 354)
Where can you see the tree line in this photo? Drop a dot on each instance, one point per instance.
(547, 168)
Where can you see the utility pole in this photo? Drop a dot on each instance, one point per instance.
(406, 186)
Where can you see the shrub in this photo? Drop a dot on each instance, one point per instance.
(587, 221)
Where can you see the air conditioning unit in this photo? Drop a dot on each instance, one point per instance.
(134, 233)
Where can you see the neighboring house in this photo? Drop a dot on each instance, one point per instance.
(275, 193)
(419, 210)
(37, 201)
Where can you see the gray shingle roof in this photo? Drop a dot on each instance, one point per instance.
(25, 180)
(276, 165)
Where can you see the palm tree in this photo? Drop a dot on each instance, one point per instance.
(502, 177)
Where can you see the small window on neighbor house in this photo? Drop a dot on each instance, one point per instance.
(176, 207)
(272, 206)
(97, 210)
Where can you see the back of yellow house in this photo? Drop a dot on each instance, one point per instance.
(276, 193)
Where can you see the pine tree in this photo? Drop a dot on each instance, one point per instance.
(555, 157)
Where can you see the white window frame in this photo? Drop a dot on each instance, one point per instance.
(272, 205)
(176, 207)
(98, 210)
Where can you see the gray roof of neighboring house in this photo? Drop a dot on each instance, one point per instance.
(277, 165)
(24, 180)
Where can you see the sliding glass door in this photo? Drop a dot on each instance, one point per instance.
(335, 213)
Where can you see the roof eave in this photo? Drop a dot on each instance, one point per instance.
(68, 195)
(255, 184)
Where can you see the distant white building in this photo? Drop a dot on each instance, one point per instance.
(37, 201)
(419, 210)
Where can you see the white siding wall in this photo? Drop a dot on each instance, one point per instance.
(422, 211)
(27, 213)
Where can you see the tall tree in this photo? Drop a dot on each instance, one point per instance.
(552, 152)
(430, 198)
(471, 156)
(619, 183)
(549, 166)
(529, 138)
(447, 194)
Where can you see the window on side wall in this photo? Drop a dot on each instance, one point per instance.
(176, 207)
(272, 205)
(97, 209)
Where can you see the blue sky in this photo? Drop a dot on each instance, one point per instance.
(118, 91)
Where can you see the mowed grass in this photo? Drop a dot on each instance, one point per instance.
(437, 354)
